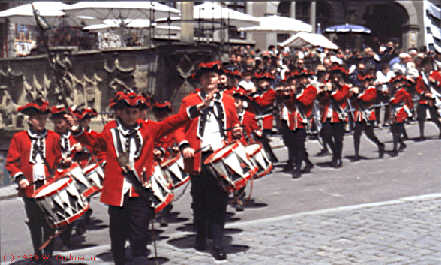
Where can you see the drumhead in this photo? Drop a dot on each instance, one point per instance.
(253, 149)
(221, 153)
(50, 188)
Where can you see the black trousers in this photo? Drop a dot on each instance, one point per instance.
(421, 112)
(209, 206)
(368, 128)
(333, 134)
(129, 222)
(285, 131)
(38, 226)
(297, 140)
(397, 129)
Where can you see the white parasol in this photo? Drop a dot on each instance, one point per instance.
(278, 24)
(304, 38)
(121, 10)
(51, 11)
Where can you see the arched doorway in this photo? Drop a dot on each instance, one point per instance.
(393, 15)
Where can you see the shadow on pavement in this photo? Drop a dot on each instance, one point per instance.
(251, 203)
(96, 224)
(188, 241)
(156, 235)
(186, 227)
(172, 218)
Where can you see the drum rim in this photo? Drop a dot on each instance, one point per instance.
(163, 204)
(86, 170)
(170, 161)
(255, 151)
(68, 182)
(72, 218)
(210, 158)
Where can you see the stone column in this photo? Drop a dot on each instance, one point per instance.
(293, 9)
(187, 28)
(313, 13)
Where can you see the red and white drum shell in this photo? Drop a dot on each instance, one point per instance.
(173, 170)
(232, 166)
(83, 184)
(61, 202)
(94, 173)
(160, 187)
(259, 157)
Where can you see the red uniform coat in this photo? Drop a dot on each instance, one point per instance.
(401, 105)
(340, 97)
(265, 101)
(362, 104)
(17, 160)
(249, 124)
(166, 143)
(421, 88)
(151, 132)
(190, 133)
(298, 109)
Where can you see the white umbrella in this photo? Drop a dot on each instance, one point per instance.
(208, 14)
(120, 10)
(304, 38)
(116, 24)
(51, 11)
(278, 24)
(215, 12)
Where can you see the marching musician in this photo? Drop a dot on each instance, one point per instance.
(401, 104)
(426, 86)
(362, 99)
(67, 144)
(165, 148)
(128, 144)
(33, 157)
(198, 139)
(262, 104)
(296, 111)
(322, 79)
(333, 101)
(251, 129)
(84, 116)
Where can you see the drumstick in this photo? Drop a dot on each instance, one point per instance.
(52, 237)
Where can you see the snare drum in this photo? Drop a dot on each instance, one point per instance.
(232, 166)
(258, 155)
(162, 195)
(95, 175)
(61, 201)
(83, 184)
(174, 171)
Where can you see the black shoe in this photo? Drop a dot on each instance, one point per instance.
(381, 150)
(394, 153)
(219, 254)
(308, 167)
(357, 158)
(296, 174)
(323, 152)
(339, 163)
(200, 245)
(420, 139)
(402, 147)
